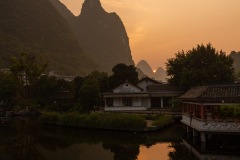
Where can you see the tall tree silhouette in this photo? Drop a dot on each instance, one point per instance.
(202, 65)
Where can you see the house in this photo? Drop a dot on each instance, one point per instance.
(201, 110)
(147, 94)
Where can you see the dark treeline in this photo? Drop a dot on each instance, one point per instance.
(25, 86)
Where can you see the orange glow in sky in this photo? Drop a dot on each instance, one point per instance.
(159, 151)
(158, 29)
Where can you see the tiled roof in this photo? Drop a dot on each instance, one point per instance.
(130, 84)
(163, 88)
(218, 93)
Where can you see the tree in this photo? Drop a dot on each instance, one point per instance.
(43, 89)
(27, 69)
(8, 88)
(92, 87)
(77, 84)
(202, 65)
(123, 73)
(89, 94)
(236, 61)
(102, 80)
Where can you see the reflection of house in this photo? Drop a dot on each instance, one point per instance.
(193, 152)
(146, 94)
(201, 110)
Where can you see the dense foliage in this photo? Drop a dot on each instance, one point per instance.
(96, 120)
(25, 86)
(236, 62)
(123, 73)
(230, 111)
(8, 88)
(202, 65)
(160, 119)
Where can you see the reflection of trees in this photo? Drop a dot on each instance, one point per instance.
(177, 153)
(180, 152)
(126, 152)
(170, 134)
(21, 143)
(25, 139)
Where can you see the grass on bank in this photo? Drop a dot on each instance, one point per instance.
(96, 120)
(160, 119)
(113, 121)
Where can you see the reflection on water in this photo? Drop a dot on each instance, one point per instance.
(78, 151)
(194, 153)
(25, 139)
(157, 151)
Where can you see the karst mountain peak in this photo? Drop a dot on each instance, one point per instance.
(92, 7)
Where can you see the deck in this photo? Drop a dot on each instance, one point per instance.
(217, 126)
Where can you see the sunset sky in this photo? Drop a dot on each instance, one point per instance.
(157, 29)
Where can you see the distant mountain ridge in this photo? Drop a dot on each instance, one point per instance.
(95, 40)
(160, 73)
(36, 26)
(102, 35)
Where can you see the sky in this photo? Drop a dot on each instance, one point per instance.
(157, 29)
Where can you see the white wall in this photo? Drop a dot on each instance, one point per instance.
(126, 88)
(137, 102)
(117, 102)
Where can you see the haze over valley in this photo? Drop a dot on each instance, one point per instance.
(95, 39)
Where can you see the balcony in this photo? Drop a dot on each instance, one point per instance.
(218, 126)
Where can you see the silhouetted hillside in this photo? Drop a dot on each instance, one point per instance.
(102, 35)
(145, 68)
(36, 26)
(160, 73)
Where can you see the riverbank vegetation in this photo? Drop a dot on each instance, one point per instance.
(109, 121)
(159, 119)
(26, 85)
(112, 121)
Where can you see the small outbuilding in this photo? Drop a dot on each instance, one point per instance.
(148, 93)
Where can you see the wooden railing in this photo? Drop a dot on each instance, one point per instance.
(148, 111)
(220, 125)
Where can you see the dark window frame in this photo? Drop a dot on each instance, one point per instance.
(127, 101)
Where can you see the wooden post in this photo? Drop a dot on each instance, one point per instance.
(161, 102)
(202, 112)
(203, 137)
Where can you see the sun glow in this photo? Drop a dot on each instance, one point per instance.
(163, 28)
(154, 71)
(158, 151)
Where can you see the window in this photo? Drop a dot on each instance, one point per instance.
(127, 101)
(109, 102)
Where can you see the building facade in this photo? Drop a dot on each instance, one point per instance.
(202, 111)
(148, 93)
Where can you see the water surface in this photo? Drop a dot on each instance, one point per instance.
(25, 139)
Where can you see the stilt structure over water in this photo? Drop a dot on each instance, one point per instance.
(201, 111)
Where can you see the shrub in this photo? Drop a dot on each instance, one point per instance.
(96, 120)
(230, 111)
(162, 119)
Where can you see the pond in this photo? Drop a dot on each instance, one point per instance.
(25, 139)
